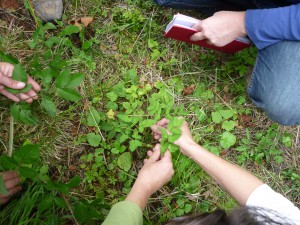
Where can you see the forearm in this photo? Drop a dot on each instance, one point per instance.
(269, 26)
(238, 182)
(139, 195)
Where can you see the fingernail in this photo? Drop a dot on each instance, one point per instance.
(21, 84)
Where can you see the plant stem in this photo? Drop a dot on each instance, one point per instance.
(11, 136)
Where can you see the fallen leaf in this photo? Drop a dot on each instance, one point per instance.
(72, 168)
(114, 48)
(85, 21)
(9, 4)
(245, 121)
(189, 90)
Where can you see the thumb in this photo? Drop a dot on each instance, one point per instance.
(167, 156)
(8, 82)
(198, 26)
(155, 156)
(156, 129)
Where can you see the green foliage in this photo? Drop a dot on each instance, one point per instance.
(43, 198)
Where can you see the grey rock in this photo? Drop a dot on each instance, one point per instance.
(48, 10)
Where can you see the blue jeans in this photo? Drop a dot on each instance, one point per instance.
(275, 82)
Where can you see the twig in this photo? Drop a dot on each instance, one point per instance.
(70, 208)
(11, 136)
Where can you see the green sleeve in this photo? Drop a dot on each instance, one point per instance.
(124, 213)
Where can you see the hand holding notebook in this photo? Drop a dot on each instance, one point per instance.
(213, 35)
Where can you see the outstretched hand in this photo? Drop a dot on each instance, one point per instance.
(12, 184)
(183, 141)
(157, 170)
(221, 28)
(6, 71)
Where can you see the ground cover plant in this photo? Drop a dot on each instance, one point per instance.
(80, 146)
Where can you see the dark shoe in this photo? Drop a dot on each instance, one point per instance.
(48, 10)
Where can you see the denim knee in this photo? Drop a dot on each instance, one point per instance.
(275, 82)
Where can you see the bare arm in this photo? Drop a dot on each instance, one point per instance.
(238, 182)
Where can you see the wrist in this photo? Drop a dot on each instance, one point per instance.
(139, 194)
(187, 146)
(241, 23)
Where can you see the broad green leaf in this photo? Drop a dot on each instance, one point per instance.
(27, 154)
(188, 208)
(93, 139)
(63, 79)
(113, 96)
(45, 204)
(21, 114)
(226, 114)
(19, 73)
(125, 161)
(3, 189)
(145, 124)
(17, 91)
(93, 118)
(69, 31)
(49, 26)
(26, 172)
(86, 45)
(49, 106)
(131, 75)
(51, 41)
(68, 94)
(8, 163)
(124, 118)
(134, 144)
(216, 117)
(74, 182)
(27, 118)
(228, 125)
(123, 138)
(227, 140)
(75, 80)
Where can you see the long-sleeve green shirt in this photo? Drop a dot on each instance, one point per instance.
(124, 213)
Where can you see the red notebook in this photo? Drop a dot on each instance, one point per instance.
(180, 28)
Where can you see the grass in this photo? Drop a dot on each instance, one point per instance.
(128, 35)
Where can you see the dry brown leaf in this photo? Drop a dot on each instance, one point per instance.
(189, 90)
(245, 121)
(85, 21)
(9, 4)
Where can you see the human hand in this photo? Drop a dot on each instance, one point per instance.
(183, 141)
(12, 181)
(156, 172)
(6, 71)
(221, 28)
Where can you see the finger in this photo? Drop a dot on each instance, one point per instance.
(145, 161)
(156, 129)
(6, 68)
(163, 122)
(32, 94)
(25, 98)
(149, 153)
(8, 82)
(12, 182)
(3, 201)
(155, 156)
(10, 95)
(167, 156)
(14, 190)
(198, 26)
(9, 175)
(34, 84)
(156, 147)
(197, 37)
